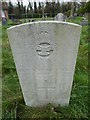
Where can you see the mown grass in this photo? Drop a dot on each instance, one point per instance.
(13, 103)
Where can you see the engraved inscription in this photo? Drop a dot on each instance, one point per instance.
(44, 49)
(42, 32)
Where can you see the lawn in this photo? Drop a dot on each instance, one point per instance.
(0, 70)
(13, 103)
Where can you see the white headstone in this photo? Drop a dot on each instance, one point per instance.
(60, 17)
(45, 56)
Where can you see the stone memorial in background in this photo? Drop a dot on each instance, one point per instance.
(60, 17)
(84, 22)
(45, 56)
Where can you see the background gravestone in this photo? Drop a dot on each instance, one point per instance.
(45, 55)
(60, 17)
(84, 22)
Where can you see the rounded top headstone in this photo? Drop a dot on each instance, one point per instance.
(60, 17)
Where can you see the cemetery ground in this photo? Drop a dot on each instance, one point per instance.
(12, 99)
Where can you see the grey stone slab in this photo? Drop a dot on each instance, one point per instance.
(45, 56)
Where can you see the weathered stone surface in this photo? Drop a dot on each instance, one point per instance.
(45, 56)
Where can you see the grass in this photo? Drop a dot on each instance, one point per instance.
(19, 21)
(13, 103)
(0, 70)
(76, 20)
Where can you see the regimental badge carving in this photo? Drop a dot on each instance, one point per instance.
(44, 49)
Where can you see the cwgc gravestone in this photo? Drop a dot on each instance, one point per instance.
(60, 17)
(45, 55)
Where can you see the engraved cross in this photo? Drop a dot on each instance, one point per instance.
(44, 49)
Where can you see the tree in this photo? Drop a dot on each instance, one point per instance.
(58, 8)
(87, 7)
(35, 7)
(53, 9)
(18, 10)
(48, 8)
(40, 9)
(22, 9)
(30, 10)
(30, 6)
(10, 9)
